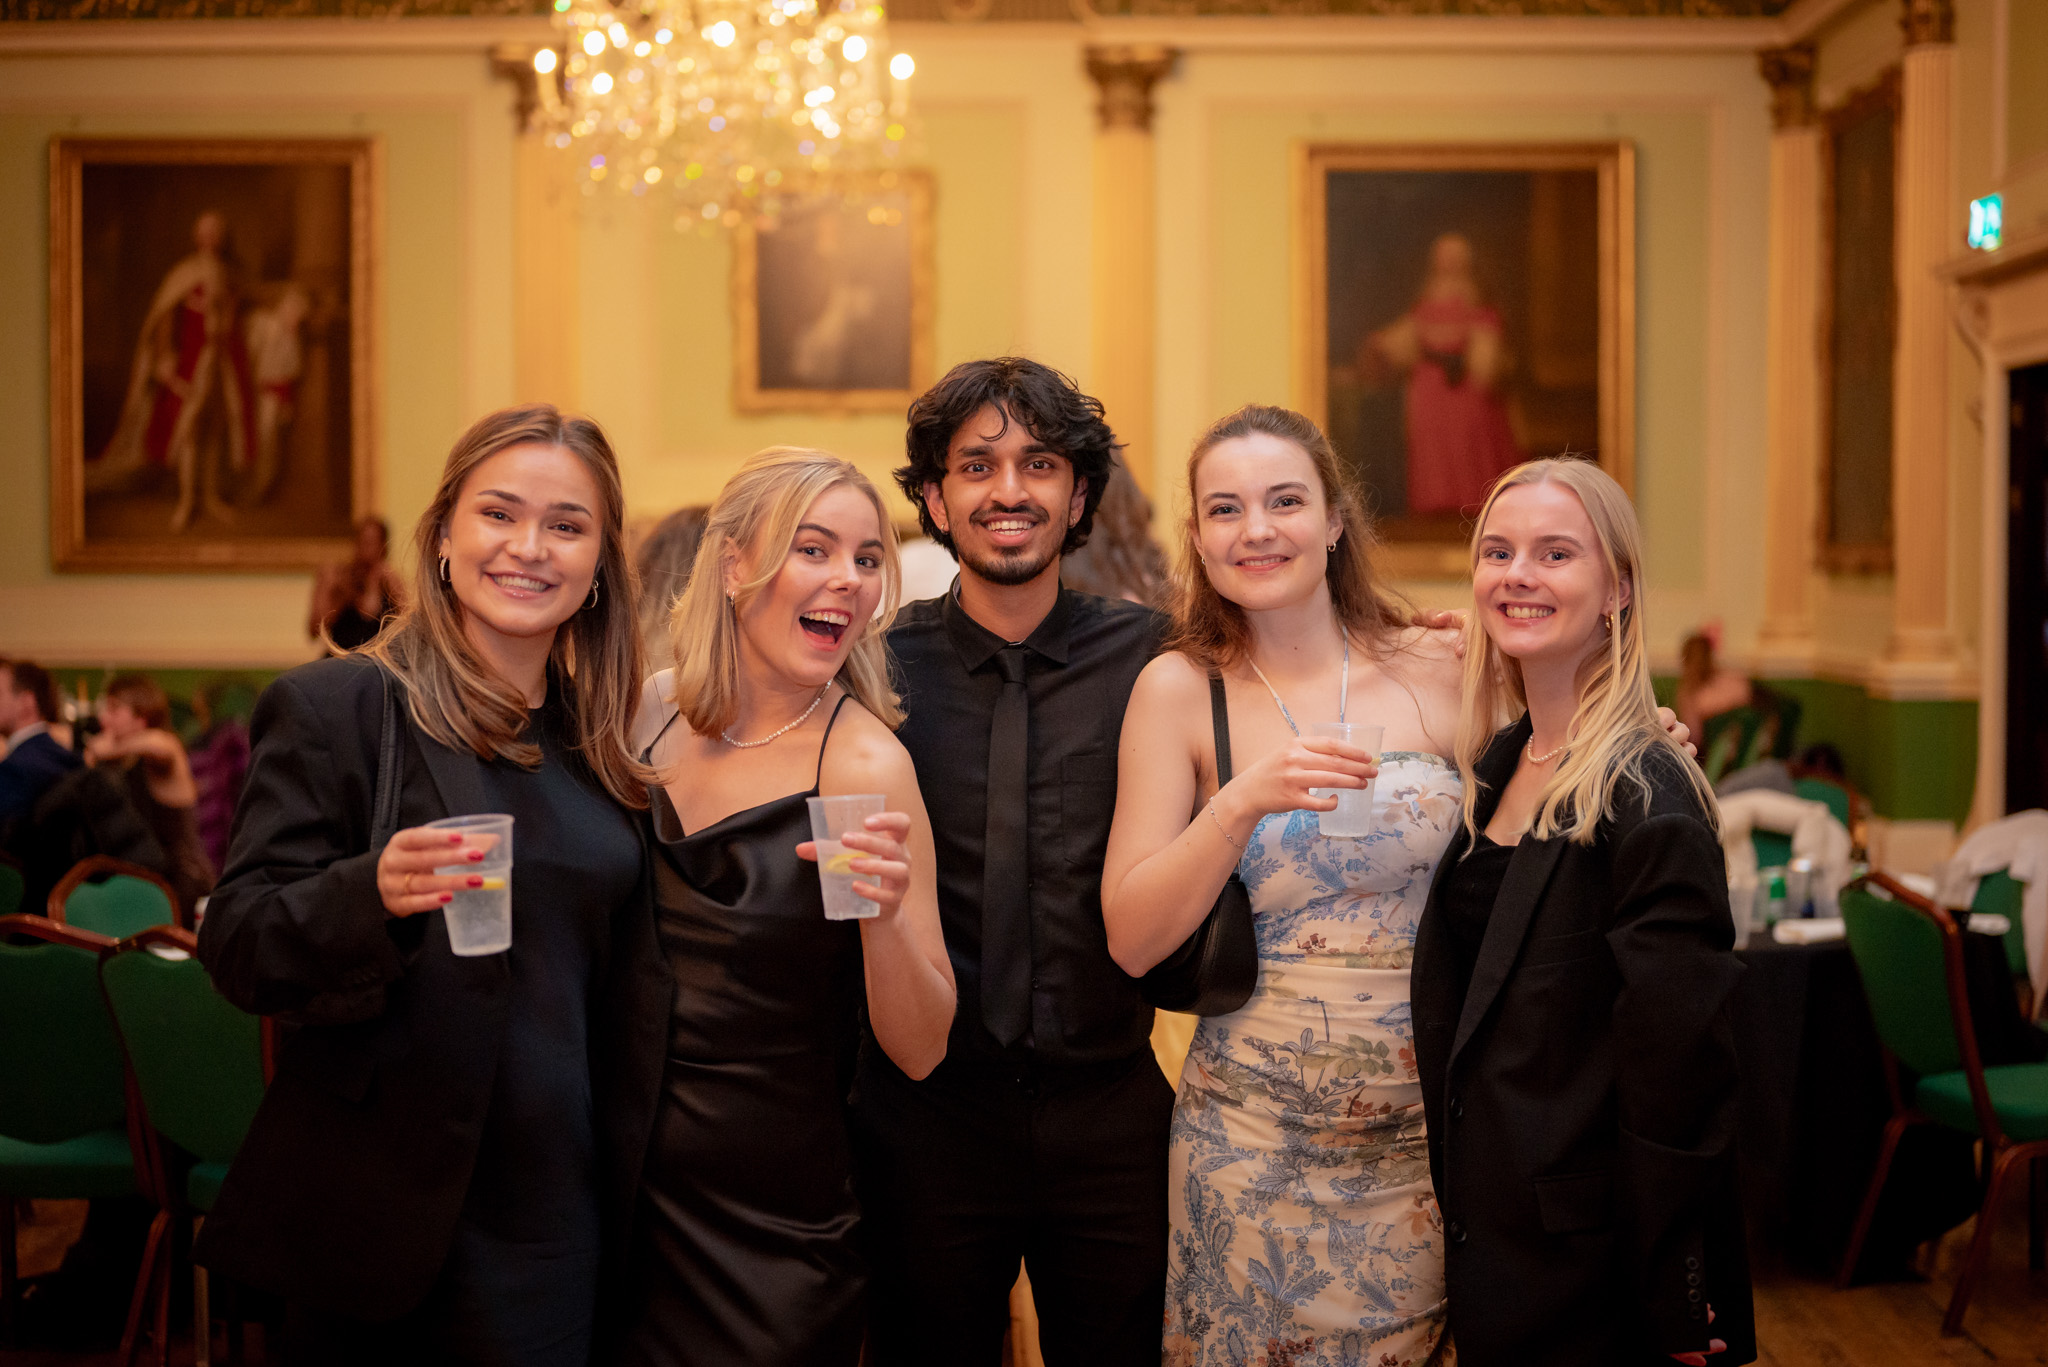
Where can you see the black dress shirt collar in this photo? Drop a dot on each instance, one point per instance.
(977, 645)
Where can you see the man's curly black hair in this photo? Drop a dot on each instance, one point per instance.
(1051, 407)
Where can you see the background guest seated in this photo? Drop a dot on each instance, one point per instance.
(1705, 689)
(135, 740)
(34, 759)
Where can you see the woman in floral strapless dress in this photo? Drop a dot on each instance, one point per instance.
(1305, 1232)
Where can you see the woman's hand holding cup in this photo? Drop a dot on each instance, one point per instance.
(1283, 781)
(882, 867)
(406, 880)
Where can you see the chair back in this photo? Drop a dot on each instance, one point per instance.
(12, 887)
(197, 1060)
(2002, 894)
(1833, 794)
(1901, 953)
(127, 900)
(60, 1064)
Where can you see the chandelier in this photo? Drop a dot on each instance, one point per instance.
(723, 107)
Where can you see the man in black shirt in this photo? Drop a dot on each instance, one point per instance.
(1043, 1135)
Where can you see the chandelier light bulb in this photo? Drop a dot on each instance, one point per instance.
(601, 83)
(593, 42)
(544, 60)
(722, 33)
(902, 66)
(855, 48)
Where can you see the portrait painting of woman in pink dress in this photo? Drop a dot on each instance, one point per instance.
(1449, 346)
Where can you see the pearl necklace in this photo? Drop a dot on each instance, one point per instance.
(1535, 758)
(726, 734)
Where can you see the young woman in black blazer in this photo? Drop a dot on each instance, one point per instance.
(427, 1179)
(1573, 969)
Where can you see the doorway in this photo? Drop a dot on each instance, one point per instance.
(2026, 638)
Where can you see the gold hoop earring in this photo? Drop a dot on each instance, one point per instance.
(444, 571)
(1607, 621)
(593, 594)
(1331, 548)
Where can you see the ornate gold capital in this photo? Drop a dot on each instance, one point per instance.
(1789, 73)
(1125, 76)
(1928, 21)
(514, 62)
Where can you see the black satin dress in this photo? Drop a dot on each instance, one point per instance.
(745, 1233)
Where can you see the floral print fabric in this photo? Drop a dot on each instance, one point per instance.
(1305, 1232)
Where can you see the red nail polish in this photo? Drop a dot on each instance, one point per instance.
(447, 897)
(476, 856)
(455, 839)
(476, 880)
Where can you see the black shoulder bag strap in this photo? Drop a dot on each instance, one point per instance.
(1215, 970)
(390, 764)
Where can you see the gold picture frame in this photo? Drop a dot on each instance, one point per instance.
(1854, 377)
(213, 351)
(833, 309)
(1560, 364)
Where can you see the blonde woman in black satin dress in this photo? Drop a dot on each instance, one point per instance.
(746, 1249)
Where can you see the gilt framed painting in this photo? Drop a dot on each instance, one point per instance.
(832, 303)
(212, 351)
(1460, 309)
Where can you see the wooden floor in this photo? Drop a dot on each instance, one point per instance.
(1800, 1322)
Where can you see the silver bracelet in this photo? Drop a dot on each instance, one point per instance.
(1219, 825)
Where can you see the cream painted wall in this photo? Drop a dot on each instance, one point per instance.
(446, 336)
(1701, 130)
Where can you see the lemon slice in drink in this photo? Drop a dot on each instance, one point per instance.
(493, 884)
(841, 863)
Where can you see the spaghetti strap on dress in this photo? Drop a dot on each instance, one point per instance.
(747, 1222)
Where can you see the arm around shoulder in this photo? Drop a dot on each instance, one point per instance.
(296, 915)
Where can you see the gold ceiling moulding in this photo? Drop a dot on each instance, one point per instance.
(915, 11)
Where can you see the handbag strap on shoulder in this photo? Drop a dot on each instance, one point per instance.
(1219, 716)
(384, 815)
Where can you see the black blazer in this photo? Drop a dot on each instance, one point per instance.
(1581, 1093)
(347, 1188)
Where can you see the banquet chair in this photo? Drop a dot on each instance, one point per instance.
(1909, 954)
(113, 898)
(197, 1065)
(2000, 893)
(64, 1132)
(12, 886)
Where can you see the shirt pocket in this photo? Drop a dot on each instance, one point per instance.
(1087, 804)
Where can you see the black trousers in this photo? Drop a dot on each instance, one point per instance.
(980, 1166)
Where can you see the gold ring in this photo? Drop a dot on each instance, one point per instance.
(406, 886)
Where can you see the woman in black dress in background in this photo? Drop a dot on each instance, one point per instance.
(745, 1249)
(426, 1179)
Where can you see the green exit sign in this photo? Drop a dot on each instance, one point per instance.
(1987, 222)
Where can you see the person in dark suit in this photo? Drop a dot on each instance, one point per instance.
(1573, 971)
(450, 1147)
(34, 760)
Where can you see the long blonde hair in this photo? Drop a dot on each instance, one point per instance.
(458, 699)
(1210, 629)
(1615, 729)
(755, 518)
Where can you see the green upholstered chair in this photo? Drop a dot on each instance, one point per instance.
(197, 1062)
(1999, 892)
(1909, 953)
(112, 898)
(63, 1107)
(12, 886)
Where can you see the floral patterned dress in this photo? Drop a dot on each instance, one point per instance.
(1305, 1232)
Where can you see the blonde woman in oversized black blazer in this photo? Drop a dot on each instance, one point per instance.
(1573, 970)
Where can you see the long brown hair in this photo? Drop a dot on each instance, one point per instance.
(457, 698)
(1615, 729)
(1210, 629)
(755, 518)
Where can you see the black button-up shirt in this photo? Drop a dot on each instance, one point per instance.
(1080, 665)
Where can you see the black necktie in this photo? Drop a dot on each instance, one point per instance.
(1005, 877)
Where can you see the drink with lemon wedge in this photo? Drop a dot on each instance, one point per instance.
(480, 919)
(831, 818)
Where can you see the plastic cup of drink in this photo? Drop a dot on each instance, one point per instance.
(480, 919)
(1353, 816)
(832, 818)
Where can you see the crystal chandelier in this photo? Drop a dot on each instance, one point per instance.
(723, 106)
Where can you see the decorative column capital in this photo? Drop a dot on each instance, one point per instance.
(514, 62)
(1125, 76)
(1928, 21)
(1789, 73)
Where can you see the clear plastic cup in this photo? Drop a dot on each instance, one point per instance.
(831, 818)
(480, 919)
(1353, 816)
